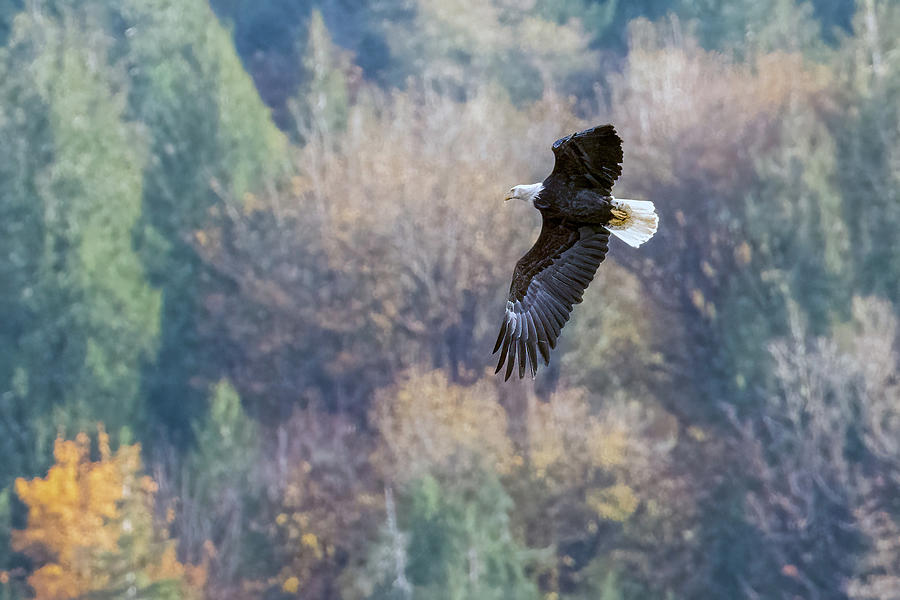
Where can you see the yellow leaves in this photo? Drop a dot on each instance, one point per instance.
(309, 551)
(615, 503)
(52, 583)
(296, 523)
(252, 203)
(312, 542)
(427, 422)
(696, 433)
(69, 508)
(69, 516)
(703, 305)
(291, 585)
(430, 425)
(574, 451)
(168, 566)
(608, 446)
(565, 441)
(311, 523)
(79, 514)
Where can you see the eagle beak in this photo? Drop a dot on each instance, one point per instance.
(508, 198)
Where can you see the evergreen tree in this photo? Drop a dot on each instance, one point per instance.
(211, 143)
(83, 317)
(868, 138)
(221, 488)
(458, 544)
(324, 99)
(799, 265)
(748, 26)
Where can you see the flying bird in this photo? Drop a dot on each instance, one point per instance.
(578, 212)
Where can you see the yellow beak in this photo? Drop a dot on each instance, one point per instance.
(508, 198)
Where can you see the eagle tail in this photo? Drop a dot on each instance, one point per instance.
(634, 221)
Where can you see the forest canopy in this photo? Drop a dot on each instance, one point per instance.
(253, 256)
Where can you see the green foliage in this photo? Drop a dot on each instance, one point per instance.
(227, 444)
(210, 142)
(8, 10)
(221, 490)
(460, 544)
(323, 102)
(84, 319)
(595, 15)
(6, 496)
(868, 145)
(459, 46)
(800, 265)
(749, 26)
(604, 583)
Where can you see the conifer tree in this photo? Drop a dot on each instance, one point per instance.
(83, 319)
(211, 144)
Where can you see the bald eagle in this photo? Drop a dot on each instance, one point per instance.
(578, 212)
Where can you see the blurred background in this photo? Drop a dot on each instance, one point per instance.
(253, 260)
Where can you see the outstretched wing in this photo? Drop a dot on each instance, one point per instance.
(547, 282)
(589, 159)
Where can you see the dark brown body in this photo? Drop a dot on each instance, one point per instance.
(576, 207)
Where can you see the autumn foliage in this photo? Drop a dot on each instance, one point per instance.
(91, 526)
(267, 240)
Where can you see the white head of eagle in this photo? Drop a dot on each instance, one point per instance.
(525, 192)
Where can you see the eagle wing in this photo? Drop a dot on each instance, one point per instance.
(547, 282)
(589, 159)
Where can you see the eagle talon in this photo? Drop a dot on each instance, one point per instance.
(620, 217)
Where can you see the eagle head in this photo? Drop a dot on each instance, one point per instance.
(526, 193)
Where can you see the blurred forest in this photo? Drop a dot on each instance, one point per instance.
(253, 258)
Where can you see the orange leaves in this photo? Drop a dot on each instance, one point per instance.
(86, 515)
(69, 514)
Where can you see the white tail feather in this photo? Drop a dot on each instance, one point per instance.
(640, 224)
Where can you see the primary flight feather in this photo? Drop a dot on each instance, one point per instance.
(578, 212)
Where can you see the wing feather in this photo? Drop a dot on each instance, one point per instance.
(589, 159)
(547, 282)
